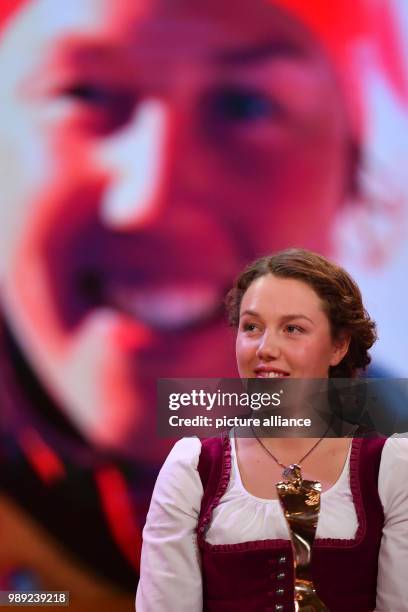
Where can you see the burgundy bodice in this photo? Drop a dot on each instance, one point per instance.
(258, 576)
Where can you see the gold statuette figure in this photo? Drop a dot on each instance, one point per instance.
(300, 501)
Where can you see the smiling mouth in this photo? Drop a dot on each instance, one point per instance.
(163, 306)
(168, 307)
(271, 375)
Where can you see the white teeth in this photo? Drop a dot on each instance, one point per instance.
(271, 375)
(168, 307)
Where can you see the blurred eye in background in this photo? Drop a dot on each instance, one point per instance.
(99, 106)
(242, 105)
(242, 115)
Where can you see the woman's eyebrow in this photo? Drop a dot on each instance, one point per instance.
(260, 52)
(249, 312)
(89, 50)
(284, 318)
(290, 317)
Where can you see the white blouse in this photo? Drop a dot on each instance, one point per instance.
(170, 565)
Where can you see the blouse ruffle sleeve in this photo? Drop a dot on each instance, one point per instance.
(170, 562)
(392, 583)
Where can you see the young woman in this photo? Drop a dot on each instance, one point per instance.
(215, 536)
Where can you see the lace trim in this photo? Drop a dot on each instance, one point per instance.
(222, 485)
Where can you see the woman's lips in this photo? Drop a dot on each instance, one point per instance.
(265, 373)
(167, 307)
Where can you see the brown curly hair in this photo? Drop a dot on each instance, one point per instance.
(340, 295)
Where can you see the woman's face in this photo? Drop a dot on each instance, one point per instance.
(284, 332)
(149, 150)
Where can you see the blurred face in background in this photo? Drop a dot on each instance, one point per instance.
(149, 149)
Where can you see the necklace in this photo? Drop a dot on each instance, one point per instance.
(292, 471)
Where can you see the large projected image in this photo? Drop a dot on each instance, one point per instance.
(148, 151)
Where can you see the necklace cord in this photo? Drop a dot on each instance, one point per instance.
(300, 460)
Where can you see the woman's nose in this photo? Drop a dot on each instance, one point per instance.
(269, 348)
(133, 161)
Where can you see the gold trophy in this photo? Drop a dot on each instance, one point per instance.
(300, 501)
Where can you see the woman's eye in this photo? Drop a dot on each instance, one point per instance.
(89, 94)
(242, 105)
(249, 327)
(110, 106)
(294, 329)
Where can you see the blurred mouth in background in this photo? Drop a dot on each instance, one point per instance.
(166, 307)
(171, 280)
(167, 302)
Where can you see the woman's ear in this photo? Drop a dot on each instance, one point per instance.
(340, 347)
